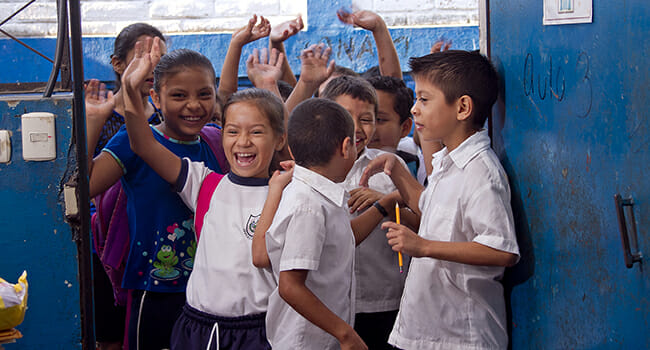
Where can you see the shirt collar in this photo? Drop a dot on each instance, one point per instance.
(364, 154)
(247, 181)
(332, 191)
(471, 147)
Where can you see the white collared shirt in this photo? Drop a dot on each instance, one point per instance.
(379, 283)
(449, 305)
(311, 231)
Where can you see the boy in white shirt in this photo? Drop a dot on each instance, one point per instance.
(379, 281)
(453, 297)
(311, 241)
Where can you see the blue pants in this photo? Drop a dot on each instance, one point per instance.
(195, 329)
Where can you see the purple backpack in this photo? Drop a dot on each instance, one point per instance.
(110, 224)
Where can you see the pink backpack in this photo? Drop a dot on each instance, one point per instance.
(110, 224)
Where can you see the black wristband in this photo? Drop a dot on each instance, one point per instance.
(381, 209)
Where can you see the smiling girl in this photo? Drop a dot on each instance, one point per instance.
(162, 242)
(227, 296)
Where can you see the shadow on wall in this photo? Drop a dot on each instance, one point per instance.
(525, 268)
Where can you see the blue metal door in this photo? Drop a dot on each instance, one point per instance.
(33, 233)
(571, 127)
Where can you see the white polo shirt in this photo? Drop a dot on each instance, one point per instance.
(379, 283)
(224, 281)
(449, 305)
(311, 231)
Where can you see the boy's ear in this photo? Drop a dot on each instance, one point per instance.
(406, 127)
(119, 66)
(347, 148)
(465, 106)
(155, 98)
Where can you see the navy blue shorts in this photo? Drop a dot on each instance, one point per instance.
(194, 329)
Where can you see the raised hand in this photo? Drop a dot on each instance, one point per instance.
(441, 45)
(367, 20)
(279, 180)
(99, 102)
(315, 68)
(264, 70)
(285, 30)
(147, 55)
(251, 32)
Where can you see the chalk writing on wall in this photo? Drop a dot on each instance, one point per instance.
(550, 83)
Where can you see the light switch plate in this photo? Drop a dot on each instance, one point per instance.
(39, 141)
(5, 146)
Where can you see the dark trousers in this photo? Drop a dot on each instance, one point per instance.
(152, 317)
(196, 329)
(374, 328)
(109, 318)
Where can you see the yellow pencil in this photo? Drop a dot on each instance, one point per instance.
(399, 254)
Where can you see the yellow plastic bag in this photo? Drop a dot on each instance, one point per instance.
(13, 302)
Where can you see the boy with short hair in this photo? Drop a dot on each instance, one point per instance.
(394, 119)
(379, 281)
(311, 243)
(453, 297)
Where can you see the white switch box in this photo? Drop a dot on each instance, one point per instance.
(5, 146)
(39, 141)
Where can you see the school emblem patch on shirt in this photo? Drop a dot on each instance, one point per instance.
(249, 230)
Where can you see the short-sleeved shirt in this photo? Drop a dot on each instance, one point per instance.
(224, 281)
(160, 224)
(447, 304)
(379, 283)
(311, 231)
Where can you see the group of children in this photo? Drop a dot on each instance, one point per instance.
(293, 243)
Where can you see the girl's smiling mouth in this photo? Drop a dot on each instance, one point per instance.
(245, 159)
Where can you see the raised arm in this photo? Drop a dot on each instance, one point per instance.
(143, 143)
(388, 59)
(277, 183)
(279, 34)
(242, 36)
(99, 107)
(315, 69)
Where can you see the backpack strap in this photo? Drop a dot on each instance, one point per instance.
(203, 202)
(212, 137)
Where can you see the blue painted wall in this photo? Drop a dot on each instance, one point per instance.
(33, 233)
(571, 127)
(353, 48)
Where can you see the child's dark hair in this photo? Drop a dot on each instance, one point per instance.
(126, 39)
(403, 95)
(285, 89)
(459, 73)
(269, 104)
(175, 61)
(317, 128)
(371, 72)
(355, 87)
(341, 71)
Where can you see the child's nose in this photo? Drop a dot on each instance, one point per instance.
(414, 110)
(193, 103)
